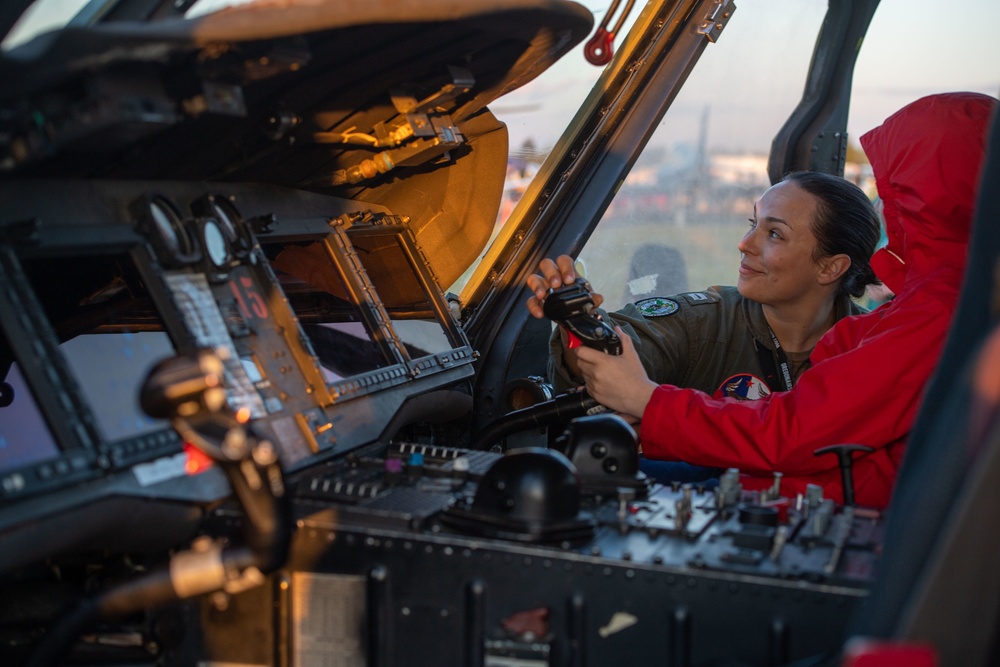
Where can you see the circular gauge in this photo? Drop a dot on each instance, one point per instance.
(222, 215)
(170, 234)
(166, 223)
(235, 230)
(216, 245)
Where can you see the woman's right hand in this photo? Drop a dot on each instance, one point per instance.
(618, 382)
(554, 274)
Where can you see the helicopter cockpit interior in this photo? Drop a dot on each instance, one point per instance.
(245, 421)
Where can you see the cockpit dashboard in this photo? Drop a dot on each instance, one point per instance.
(289, 294)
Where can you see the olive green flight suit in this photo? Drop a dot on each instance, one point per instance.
(695, 339)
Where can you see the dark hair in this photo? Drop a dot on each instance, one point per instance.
(846, 222)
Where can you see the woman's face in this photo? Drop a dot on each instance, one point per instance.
(777, 267)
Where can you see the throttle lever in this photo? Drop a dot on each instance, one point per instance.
(572, 308)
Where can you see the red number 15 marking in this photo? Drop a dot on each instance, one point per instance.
(245, 293)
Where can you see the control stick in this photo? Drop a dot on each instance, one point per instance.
(188, 390)
(572, 308)
(559, 410)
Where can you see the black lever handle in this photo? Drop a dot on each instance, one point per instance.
(844, 457)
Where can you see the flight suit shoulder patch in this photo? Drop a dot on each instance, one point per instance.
(657, 306)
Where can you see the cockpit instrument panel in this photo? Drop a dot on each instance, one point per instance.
(312, 303)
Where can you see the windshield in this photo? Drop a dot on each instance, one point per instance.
(677, 218)
(686, 200)
(675, 223)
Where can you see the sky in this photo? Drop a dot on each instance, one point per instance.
(917, 47)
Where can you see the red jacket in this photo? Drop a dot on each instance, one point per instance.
(869, 371)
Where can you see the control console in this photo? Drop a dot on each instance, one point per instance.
(477, 557)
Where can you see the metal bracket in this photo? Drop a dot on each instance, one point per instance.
(716, 20)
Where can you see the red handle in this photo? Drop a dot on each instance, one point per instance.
(600, 48)
(572, 341)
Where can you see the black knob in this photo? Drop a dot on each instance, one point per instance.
(758, 515)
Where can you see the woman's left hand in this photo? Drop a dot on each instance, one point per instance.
(618, 382)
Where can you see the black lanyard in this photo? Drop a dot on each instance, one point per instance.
(776, 382)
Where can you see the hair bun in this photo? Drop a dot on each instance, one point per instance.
(859, 278)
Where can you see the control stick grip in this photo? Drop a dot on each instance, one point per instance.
(572, 308)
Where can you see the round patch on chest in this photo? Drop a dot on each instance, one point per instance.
(744, 386)
(657, 306)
